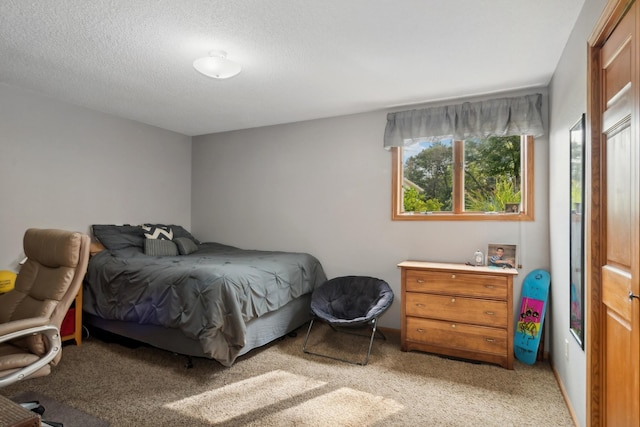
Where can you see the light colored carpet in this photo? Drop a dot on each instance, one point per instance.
(279, 385)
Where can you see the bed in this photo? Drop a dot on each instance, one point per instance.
(158, 284)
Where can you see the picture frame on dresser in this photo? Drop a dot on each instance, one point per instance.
(502, 255)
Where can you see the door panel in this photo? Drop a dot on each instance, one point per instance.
(615, 294)
(618, 389)
(619, 197)
(618, 73)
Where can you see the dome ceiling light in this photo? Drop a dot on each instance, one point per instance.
(217, 66)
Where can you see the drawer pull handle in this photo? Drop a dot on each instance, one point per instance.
(420, 330)
(453, 276)
(453, 300)
(489, 286)
(419, 280)
(490, 340)
(419, 305)
(453, 326)
(490, 313)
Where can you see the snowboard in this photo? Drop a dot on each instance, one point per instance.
(533, 306)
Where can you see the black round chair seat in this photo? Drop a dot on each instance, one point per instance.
(351, 300)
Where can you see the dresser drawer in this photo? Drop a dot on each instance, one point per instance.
(457, 309)
(454, 283)
(457, 335)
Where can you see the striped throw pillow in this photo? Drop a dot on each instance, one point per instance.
(160, 247)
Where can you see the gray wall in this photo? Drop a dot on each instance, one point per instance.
(324, 187)
(63, 166)
(568, 100)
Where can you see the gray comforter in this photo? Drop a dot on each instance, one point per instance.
(209, 294)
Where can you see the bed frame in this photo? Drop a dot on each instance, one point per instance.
(260, 331)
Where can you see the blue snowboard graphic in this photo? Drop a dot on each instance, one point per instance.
(535, 292)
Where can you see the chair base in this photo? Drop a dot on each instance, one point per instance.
(374, 330)
(36, 407)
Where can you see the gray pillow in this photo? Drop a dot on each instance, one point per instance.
(158, 247)
(185, 245)
(115, 237)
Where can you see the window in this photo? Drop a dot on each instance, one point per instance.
(473, 175)
(475, 179)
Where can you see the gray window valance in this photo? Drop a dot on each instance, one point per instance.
(496, 117)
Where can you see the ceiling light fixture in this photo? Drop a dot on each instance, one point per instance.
(216, 65)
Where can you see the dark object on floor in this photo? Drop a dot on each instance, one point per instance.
(350, 302)
(61, 412)
(111, 338)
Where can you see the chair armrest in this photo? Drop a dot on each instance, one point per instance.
(21, 325)
(11, 330)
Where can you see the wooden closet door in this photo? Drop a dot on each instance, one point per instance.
(621, 222)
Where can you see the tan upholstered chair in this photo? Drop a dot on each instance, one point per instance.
(31, 314)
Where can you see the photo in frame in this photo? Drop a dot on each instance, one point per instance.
(512, 208)
(576, 230)
(502, 255)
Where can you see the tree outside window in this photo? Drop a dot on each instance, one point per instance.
(488, 178)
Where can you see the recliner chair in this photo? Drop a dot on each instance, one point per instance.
(31, 314)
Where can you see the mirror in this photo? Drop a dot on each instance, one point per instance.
(576, 231)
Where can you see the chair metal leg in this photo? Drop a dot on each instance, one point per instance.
(304, 345)
(346, 331)
(373, 334)
(374, 329)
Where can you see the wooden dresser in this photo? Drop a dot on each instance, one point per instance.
(458, 310)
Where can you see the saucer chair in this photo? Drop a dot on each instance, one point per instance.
(350, 303)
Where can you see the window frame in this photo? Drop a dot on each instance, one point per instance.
(458, 214)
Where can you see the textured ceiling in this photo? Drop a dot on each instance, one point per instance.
(302, 59)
